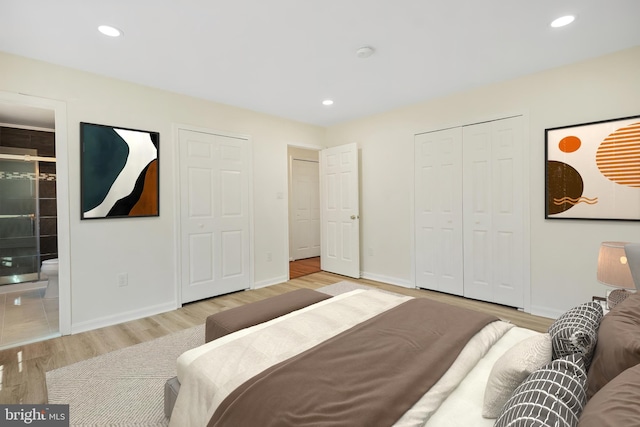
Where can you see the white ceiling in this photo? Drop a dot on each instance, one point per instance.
(32, 117)
(283, 57)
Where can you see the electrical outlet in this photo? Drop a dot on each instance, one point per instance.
(269, 257)
(122, 279)
(370, 251)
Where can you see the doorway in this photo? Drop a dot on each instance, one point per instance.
(35, 219)
(304, 211)
(338, 208)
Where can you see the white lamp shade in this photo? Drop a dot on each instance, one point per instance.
(613, 268)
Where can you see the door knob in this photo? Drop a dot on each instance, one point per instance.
(355, 216)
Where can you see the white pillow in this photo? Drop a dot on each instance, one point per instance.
(512, 368)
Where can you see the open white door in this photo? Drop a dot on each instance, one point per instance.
(339, 208)
(214, 214)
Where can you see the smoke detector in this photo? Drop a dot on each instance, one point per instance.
(365, 52)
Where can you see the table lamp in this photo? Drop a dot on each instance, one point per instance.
(613, 270)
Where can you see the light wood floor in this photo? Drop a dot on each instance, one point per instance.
(22, 369)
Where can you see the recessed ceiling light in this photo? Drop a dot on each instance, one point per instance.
(562, 21)
(110, 31)
(365, 52)
(327, 102)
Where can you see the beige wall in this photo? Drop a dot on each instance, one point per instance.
(563, 253)
(146, 248)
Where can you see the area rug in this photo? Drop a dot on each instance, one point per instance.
(126, 387)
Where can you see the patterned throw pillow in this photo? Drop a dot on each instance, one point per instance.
(551, 396)
(511, 369)
(576, 331)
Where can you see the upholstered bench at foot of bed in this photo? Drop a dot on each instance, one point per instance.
(235, 319)
(226, 322)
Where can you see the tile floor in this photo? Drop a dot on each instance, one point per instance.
(25, 316)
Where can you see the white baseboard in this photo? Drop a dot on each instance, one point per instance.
(269, 282)
(122, 317)
(535, 310)
(387, 279)
(546, 312)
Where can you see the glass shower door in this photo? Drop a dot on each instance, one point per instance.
(19, 243)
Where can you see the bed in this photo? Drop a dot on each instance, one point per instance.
(372, 358)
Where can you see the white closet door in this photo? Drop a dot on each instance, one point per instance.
(477, 212)
(508, 241)
(214, 211)
(493, 216)
(438, 211)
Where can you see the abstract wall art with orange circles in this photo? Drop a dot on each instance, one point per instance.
(593, 170)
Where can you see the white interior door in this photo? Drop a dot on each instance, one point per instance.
(493, 212)
(306, 208)
(214, 214)
(438, 205)
(339, 207)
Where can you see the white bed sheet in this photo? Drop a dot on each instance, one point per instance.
(463, 407)
(477, 347)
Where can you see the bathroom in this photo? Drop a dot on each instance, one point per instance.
(29, 303)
